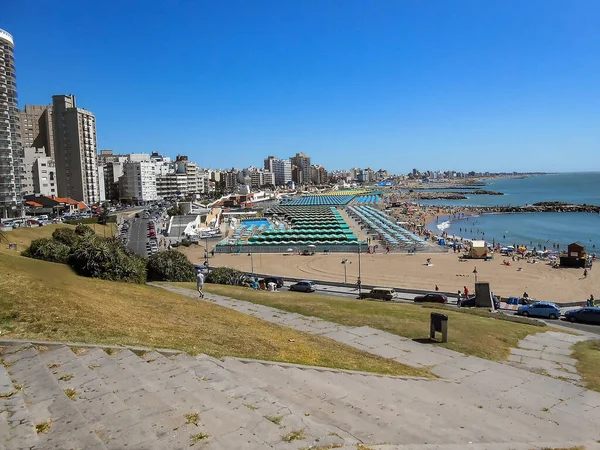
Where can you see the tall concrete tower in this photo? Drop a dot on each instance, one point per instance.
(75, 150)
(10, 149)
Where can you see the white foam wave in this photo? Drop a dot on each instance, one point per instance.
(444, 225)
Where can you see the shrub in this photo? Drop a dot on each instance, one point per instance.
(84, 230)
(92, 220)
(186, 242)
(48, 250)
(170, 266)
(106, 258)
(66, 235)
(225, 275)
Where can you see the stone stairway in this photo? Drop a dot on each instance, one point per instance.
(54, 396)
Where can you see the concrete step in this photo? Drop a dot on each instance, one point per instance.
(114, 421)
(227, 425)
(45, 401)
(289, 417)
(308, 391)
(274, 420)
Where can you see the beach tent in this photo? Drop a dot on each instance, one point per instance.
(478, 250)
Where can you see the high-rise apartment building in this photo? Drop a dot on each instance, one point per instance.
(269, 163)
(260, 178)
(112, 169)
(33, 126)
(318, 174)
(282, 168)
(10, 139)
(139, 178)
(75, 150)
(302, 162)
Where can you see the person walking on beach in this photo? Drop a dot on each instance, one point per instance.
(592, 301)
(466, 292)
(200, 283)
(584, 273)
(436, 288)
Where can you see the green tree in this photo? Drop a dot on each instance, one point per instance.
(48, 250)
(170, 266)
(67, 236)
(103, 217)
(225, 275)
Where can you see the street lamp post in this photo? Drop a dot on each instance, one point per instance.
(359, 280)
(344, 262)
(251, 262)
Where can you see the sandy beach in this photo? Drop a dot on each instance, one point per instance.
(403, 270)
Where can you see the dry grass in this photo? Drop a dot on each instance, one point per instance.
(43, 427)
(472, 334)
(587, 354)
(47, 301)
(23, 236)
(297, 435)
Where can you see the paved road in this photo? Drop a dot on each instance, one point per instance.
(138, 236)
(407, 297)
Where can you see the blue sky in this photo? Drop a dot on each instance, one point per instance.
(438, 84)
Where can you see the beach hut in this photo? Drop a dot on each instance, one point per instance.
(478, 250)
(575, 256)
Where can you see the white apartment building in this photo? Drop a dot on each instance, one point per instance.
(260, 178)
(282, 168)
(38, 173)
(139, 179)
(10, 145)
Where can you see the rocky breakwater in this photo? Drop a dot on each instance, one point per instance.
(540, 207)
(451, 195)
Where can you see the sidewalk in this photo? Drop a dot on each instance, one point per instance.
(444, 363)
(506, 404)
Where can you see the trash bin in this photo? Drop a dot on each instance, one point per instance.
(439, 323)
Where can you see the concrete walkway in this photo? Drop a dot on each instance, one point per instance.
(548, 353)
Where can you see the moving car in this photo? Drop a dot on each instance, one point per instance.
(380, 293)
(303, 286)
(589, 314)
(432, 298)
(471, 302)
(540, 309)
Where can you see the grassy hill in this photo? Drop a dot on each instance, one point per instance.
(48, 301)
(472, 332)
(23, 236)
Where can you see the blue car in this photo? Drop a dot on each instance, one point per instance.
(540, 309)
(589, 314)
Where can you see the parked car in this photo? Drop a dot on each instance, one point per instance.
(380, 293)
(589, 314)
(470, 302)
(540, 309)
(303, 286)
(151, 234)
(432, 298)
(277, 280)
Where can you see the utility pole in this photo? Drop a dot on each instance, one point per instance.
(359, 279)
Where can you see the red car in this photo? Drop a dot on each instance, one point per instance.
(152, 234)
(432, 298)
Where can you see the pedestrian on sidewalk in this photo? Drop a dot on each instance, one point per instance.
(200, 283)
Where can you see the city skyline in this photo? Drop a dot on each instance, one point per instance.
(393, 85)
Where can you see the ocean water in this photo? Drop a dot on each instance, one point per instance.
(531, 228)
(527, 228)
(564, 187)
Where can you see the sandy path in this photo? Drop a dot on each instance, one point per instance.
(402, 270)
